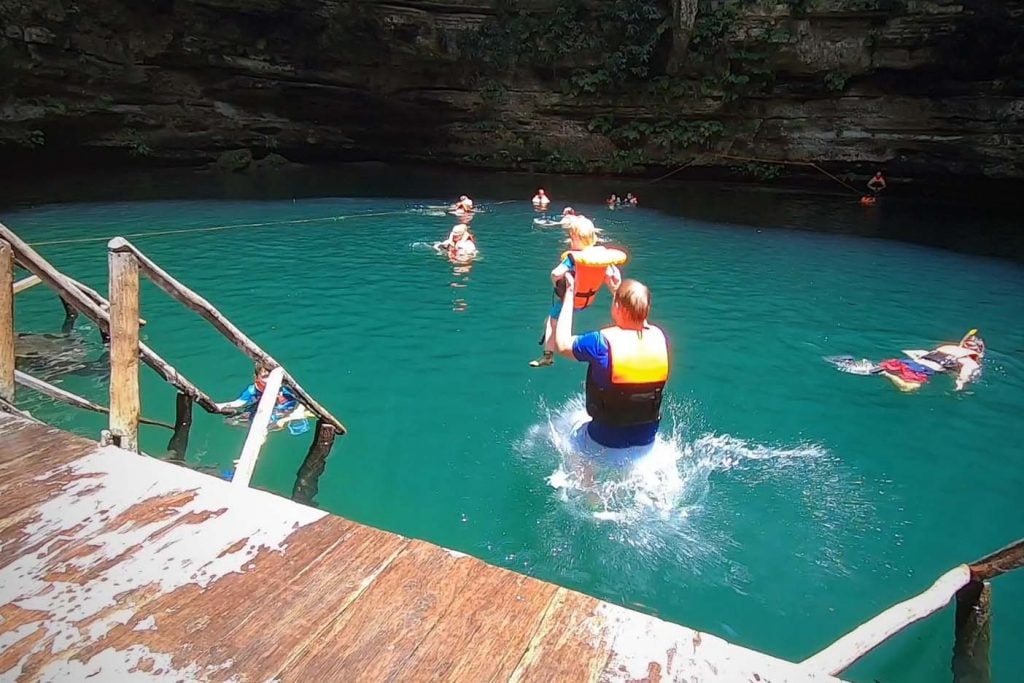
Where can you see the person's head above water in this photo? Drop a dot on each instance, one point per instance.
(568, 211)
(540, 192)
(582, 233)
(260, 374)
(631, 304)
(974, 342)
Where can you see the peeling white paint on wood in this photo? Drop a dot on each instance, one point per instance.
(641, 645)
(136, 663)
(124, 523)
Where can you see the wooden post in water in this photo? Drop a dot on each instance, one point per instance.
(124, 349)
(70, 316)
(6, 322)
(182, 424)
(307, 479)
(973, 634)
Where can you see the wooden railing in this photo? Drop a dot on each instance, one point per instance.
(968, 584)
(118, 321)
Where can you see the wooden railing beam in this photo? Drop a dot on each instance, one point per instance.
(64, 396)
(843, 653)
(26, 283)
(1001, 561)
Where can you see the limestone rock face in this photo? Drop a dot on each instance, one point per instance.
(929, 88)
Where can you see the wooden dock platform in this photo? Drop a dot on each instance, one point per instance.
(116, 566)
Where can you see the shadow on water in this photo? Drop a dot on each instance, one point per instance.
(969, 226)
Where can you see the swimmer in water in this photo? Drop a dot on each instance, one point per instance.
(460, 243)
(464, 205)
(288, 408)
(541, 200)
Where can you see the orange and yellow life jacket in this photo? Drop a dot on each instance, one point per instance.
(590, 265)
(638, 367)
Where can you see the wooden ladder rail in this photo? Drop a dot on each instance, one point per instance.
(70, 292)
(121, 315)
(327, 426)
(184, 295)
(968, 584)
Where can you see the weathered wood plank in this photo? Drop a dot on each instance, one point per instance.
(96, 553)
(464, 645)
(564, 646)
(389, 622)
(251, 623)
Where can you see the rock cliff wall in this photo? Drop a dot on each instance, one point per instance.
(928, 88)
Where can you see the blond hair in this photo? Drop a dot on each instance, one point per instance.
(634, 299)
(582, 228)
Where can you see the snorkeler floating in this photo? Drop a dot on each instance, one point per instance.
(911, 373)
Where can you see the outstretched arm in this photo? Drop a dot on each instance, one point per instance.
(563, 329)
(231, 406)
(612, 278)
(969, 370)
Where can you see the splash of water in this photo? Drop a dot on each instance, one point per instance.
(660, 503)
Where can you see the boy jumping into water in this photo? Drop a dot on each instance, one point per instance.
(582, 234)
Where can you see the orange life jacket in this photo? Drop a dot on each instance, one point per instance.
(638, 365)
(589, 266)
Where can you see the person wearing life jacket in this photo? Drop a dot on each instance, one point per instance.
(628, 366)
(541, 200)
(591, 265)
(287, 409)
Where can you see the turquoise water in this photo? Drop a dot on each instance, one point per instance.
(787, 502)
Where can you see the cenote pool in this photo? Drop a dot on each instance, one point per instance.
(787, 503)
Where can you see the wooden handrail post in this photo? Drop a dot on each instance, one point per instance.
(124, 349)
(973, 635)
(182, 424)
(6, 321)
(307, 479)
(258, 426)
(70, 316)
